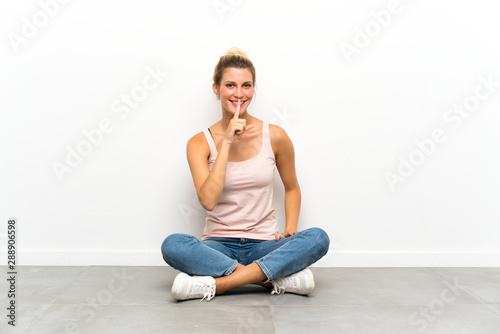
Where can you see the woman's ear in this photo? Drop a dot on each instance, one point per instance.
(215, 88)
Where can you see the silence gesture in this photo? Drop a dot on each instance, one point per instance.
(237, 127)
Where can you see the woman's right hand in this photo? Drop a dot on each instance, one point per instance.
(237, 127)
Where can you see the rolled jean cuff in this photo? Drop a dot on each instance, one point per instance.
(230, 270)
(265, 270)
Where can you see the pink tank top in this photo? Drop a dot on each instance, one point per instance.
(245, 207)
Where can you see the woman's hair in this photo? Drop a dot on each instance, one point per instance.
(234, 58)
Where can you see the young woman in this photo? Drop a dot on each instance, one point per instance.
(232, 163)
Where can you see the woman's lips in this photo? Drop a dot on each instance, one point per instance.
(235, 103)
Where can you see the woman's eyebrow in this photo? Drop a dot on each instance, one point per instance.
(246, 82)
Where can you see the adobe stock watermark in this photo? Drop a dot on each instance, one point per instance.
(363, 37)
(436, 307)
(428, 146)
(224, 6)
(31, 27)
(281, 117)
(88, 312)
(193, 209)
(122, 107)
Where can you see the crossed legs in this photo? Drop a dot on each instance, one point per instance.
(242, 275)
(267, 260)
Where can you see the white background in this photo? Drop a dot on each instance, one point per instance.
(351, 119)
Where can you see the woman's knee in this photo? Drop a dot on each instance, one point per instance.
(321, 240)
(174, 243)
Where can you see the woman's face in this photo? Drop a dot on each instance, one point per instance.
(236, 83)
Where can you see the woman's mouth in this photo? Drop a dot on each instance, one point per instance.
(235, 103)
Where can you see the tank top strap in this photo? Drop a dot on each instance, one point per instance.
(211, 143)
(266, 138)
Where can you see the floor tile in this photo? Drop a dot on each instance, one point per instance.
(25, 315)
(120, 285)
(482, 283)
(137, 319)
(375, 286)
(370, 319)
(495, 307)
(39, 285)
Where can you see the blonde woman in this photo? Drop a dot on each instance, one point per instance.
(232, 164)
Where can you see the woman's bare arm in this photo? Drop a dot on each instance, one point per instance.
(210, 183)
(285, 162)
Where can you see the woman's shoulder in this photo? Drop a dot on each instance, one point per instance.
(198, 143)
(197, 137)
(277, 133)
(279, 138)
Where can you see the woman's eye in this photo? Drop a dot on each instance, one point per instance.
(232, 85)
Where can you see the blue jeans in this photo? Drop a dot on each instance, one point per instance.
(218, 257)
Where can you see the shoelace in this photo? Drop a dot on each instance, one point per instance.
(277, 289)
(208, 290)
(280, 283)
(209, 293)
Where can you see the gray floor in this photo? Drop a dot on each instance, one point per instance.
(104, 299)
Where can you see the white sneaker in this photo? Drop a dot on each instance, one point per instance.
(192, 287)
(301, 283)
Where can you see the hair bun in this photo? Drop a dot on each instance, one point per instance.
(237, 52)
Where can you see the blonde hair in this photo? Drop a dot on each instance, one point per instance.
(233, 58)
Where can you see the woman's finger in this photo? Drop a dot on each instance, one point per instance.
(237, 113)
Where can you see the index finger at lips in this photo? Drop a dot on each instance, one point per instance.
(237, 113)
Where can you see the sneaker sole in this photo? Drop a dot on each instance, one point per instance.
(175, 285)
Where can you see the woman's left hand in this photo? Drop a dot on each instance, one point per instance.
(285, 235)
